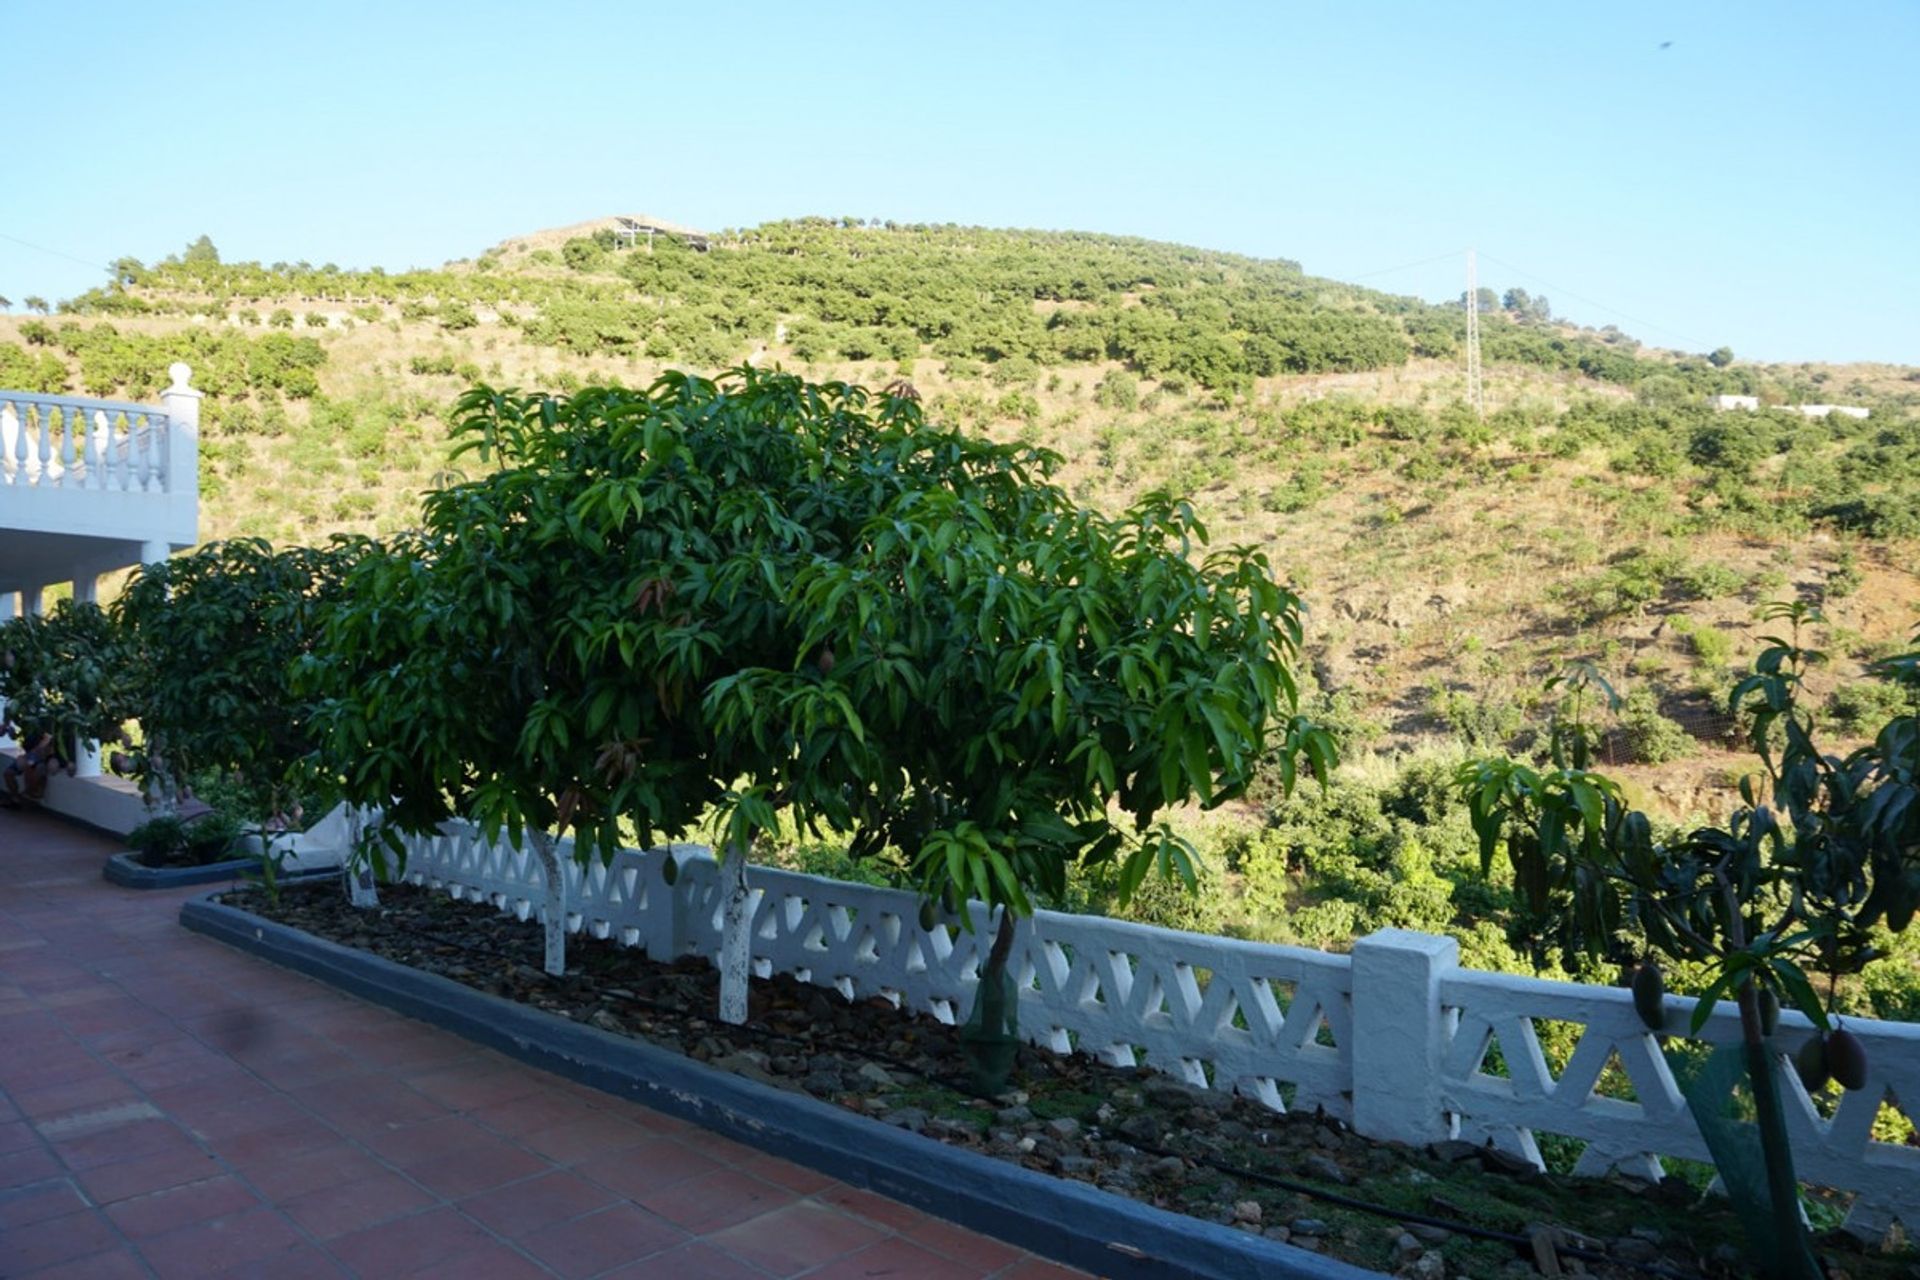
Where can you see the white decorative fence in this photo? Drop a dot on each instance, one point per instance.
(81, 471)
(1395, 1037)
(58, 442)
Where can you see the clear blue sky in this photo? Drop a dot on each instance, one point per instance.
(1756, 183)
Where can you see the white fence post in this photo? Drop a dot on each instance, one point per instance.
(1399, 1035)
(672, 932)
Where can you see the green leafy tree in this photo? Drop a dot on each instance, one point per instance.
(213, 637)
(37, 303)
(1785, 887)
(65, 672)
(201, 254)
(1721, 357)
(766, 598)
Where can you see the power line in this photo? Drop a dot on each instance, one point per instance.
(40, 248)
(1407, 266)
(1637, 323)
(1540, 280)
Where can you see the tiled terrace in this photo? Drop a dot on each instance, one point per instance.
(171, 1108)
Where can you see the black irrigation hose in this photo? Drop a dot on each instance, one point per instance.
(1522, 1245)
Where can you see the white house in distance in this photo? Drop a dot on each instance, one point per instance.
(88, 487)
(1752, 405)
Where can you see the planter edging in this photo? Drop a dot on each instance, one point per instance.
(127, 871)
(1071, 1222)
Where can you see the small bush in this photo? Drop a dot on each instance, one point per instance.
(1710, 645)
(1652, 737)
(1860, 707)
(1117, 390)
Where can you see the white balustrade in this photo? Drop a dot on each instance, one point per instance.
(58, 442)
(101, 471)
(1396, 1038)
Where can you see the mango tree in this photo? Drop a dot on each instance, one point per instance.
(213, 637)
(67, 673)
(765, 597)
(1822, 850)
(447, 688)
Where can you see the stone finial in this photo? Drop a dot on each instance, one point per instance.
(180, 373)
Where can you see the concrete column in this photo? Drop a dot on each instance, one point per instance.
(1398, 1035)
(182, 404)
(155, 552)
(86, 763)
(9, 602)
(33, 601)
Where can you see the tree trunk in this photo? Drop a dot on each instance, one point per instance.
(163, 797)
(358, 866)
(361, 891)
(736, 937)
(996, 968)
(554, 913)
(1792, 1258)
(990, 1037)
(1791, 1253)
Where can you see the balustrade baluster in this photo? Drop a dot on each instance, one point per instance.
(9, 436)
(138, 466)
(118, 448)
(76, 422)
(45, 446)
(159, 427)
(136, 455)
(143, 432)
(91, 443)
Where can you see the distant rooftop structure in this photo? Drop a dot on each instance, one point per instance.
(1752, 404)
(1827, 410)
(627, 232)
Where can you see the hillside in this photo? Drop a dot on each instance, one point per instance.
(1601, 510)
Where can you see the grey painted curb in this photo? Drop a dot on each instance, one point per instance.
(126, 870)
(1068, 1221)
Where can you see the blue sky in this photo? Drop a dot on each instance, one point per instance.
(1756, 183)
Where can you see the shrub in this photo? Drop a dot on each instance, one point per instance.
(1709, 644)
(1117, 390)
(170, 841)
(1860, 707)
(1652, 737)
(1844, 578)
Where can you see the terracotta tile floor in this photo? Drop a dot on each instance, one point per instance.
(171, 1108)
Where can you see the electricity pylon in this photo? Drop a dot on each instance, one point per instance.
(1475, 397)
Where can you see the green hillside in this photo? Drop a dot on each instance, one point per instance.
(1600, 510)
